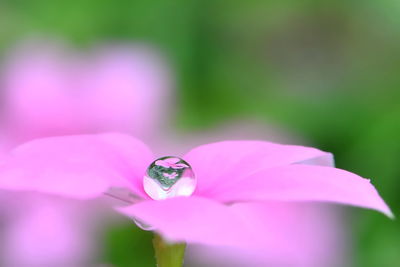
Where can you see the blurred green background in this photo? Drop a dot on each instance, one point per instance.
(327, 70)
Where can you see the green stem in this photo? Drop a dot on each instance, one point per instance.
(168, 255)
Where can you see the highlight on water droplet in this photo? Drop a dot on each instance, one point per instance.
(169, 177)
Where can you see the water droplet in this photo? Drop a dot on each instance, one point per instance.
(169, 177)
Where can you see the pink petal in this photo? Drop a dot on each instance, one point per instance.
(124, 88)
(290, 234)
(162, 163)
(82, 166)
(180, 166)
(63, 228)
(49, 90)
(195, 220)
(172, 160)
(170, 176)
(37, 92)
(219, 163)
(305, 183)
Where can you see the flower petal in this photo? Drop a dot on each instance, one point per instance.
(125, 87)
(305, 183)
(82, 166)
(282, 227)
(172, 160)
(180, 166)
(162, 163)
(195, 220)
(219, 163)
(64, 228)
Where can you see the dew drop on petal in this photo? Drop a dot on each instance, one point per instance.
(169, 177)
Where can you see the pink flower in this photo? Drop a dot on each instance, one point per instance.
(228, 173)
(319, 228)
(171, 163)
(49, 90)
(170, 176)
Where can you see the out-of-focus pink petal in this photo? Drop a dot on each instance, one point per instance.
(125, 89)
(42, 233)
(219, 164)
(305, 183)
(37, 93)
(290, 234)
(194, 220)
(49, 91)
(83, 166)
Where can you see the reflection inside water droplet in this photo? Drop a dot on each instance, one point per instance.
(169, 177)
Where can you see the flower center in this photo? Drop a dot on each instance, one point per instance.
(169, 177)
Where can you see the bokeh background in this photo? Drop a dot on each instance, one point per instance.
(325, 71)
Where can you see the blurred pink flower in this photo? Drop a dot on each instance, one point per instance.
(171, 163)
(49, 90)
(229, 174)
(47, 231)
